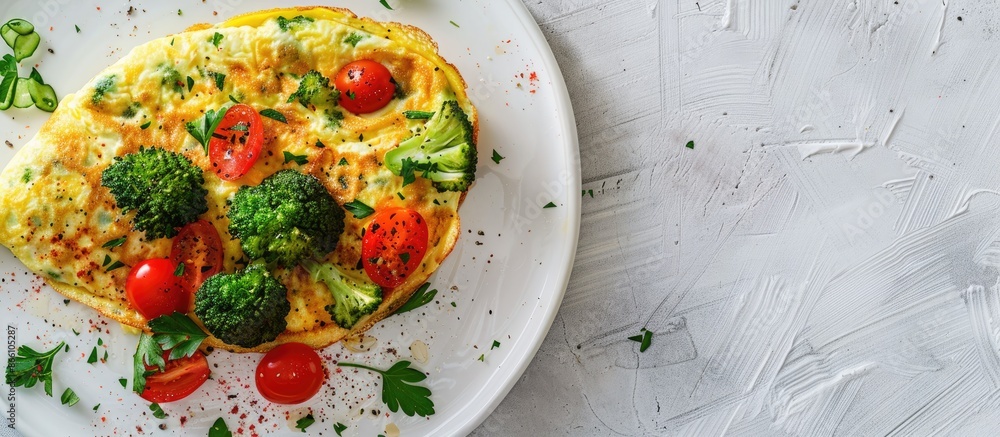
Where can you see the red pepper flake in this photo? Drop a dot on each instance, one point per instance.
(533, 77)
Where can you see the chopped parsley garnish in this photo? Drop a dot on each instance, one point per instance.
(420, 297)
(274, 115)
(482, 357)
(220, 79)
(298, 159)
(219, 429)
(453, 23)
(216, 39)
(404, 257)
(190, 82)
(496, 344)
(386, 4)
(114, 243)
(496, 156)
(418, 115)
(69, 397)
(690, 144)
(284, 24)
(644, 339)
(123, 382)
(179, 271)
(29, 367)
(107, 260)
(359, 209)
(117, 265)
(353, 39)
(399, 390)
(305, 422)
(176, 333)
(97, 406)
(203, 128)
(319, 144)
(93, 356)
(157, 411)
(343, 161)
(549, 205)
(145, 125)
(77, 28)
(339, 428)
(401, 196)
(407, 172)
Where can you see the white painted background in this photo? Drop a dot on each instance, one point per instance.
(824, 262)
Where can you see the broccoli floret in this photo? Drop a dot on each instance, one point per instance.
(315, 89)
(445, 153)
(353, 298)
(246, 308)
(164, 188)
(288, 217)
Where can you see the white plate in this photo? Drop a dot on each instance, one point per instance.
(506, 281)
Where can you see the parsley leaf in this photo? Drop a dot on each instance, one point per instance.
(407, 171)
(219, 429)
(190, 82)
(496, 157)
(28, 367)
(644, 339)
(114, 243)
(359, 209)
(93, 356)
(77, 28)
(453, 23)
(216, 39)
(177, 333)
(203, 128)
(146, 352)
(386, 4)
(339, 428)
(305, 422)
(117, 265)
(157, 411)
(284, 24)
(145, 125)
(418, 115)
(179, 271)
(690, 144)
(343, 161)
(496, 344)
(123, 382)
(299, 159)
(69, 397)
(549, 205)
(274, 115)
(220, 79)
(420, 298)
(399, 390)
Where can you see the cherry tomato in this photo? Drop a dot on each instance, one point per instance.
(365, 86)
(154, 291)
(199, 247)
(236, 143)
(290, 374)
(393, 246)
(180, 378)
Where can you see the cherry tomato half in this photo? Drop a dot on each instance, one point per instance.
(393, 246)
(180, 378)
(290, 374)
(236, 143)
(365, 86)
(154, 291)
(199, 247)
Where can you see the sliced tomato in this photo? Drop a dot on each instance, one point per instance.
(365, 86)
(199, 247)
(291, 373)
(180, 378)
(393, 246)
(154, 290)
(236, 143)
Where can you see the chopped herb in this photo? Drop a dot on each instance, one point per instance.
(240, 127)
(401, 196)
(102, 87)
(220, 80)
(100, 341)
(77, 28)
(284, 24)
(436, 202)
(453, 23)
(146, 352)
(274, 115)
(496, 344)
(343, 161)
(145, 125)
(178, 334)
(399, 390)
(203, 128)
(404, 257)
(359, 209)
(28, 367)
(67, 348)
(339, 428)
(418, 115)
(647, 339)
(482, 358)
(190, 82)
(123, 382)
(157, 411)
(353, 39)
(75, 332)
(180, 12)
(386, 4)
(105, 359)
(93, 356)
(233, 99)
(219, 429)
(549, 205)
(299, 159)
(97, 406)
(69, 397)
(107, 260)
(419, 298)
(305, 422)
(454, 305)
(117, 265)
(114, 243)
(320, 145)
(407, 171)
(179, 271)
(351, 95)
(216, 39)
(496, 156)
(690, 144)
(591, 193)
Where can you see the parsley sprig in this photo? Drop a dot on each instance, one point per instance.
(420, 298)
(176, 333)
(29, 367)
(203, 128)
(399, 390)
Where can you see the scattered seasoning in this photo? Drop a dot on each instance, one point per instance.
(482, 358)
(339, 428)
(454, 305)
(97, 406)
(93, 356)
(77, 28)
(123, 382)
(690, 144)
(496, 156)
(319, 144)
(644, 339)
(190, 82)
(298, 159)
(549, 205)
(496, 344)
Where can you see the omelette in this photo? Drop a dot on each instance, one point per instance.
(64, 225)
